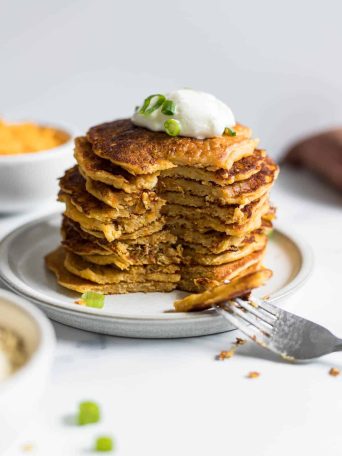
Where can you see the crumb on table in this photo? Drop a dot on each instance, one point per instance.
(334, 372)
(253, 374)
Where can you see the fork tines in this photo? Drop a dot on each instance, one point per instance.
(255, 318)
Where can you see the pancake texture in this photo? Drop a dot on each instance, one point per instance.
(147, 212)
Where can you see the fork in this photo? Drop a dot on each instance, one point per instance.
(290, 336)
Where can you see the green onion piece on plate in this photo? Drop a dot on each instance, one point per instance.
(104, 443)
(229, 132)
(88, 413)
(149, 106)
(92, 299)
(168, 108)
(172, 127)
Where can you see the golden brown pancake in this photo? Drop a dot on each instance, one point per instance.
(92, 203)
(220, 214)
(241, 170)
(213, 242)
(153, 227)
(158, 235)
(203, 225)
(55, 262)
(141, 151)
(112, 229)
(104, 171)
(199, 278)
(110, 274)
(138, 203)
(242, 192)
(223, 293)
(192, 256)
(157, 248)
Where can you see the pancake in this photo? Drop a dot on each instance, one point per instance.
(241, 170)
(213, 242)
(242, 192)
(208, 224)
(111, 230)
(158, 235)
(164, 254)
(122, 204)
(104, 171)
(139, 203)
(122, 255)
(141, 151)
(223, 293)
(199, 278)
(192, 256)
(153, 227)
(110, 274)
(55, 262)
(219, 214)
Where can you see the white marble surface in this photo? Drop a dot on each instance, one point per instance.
(168, 397)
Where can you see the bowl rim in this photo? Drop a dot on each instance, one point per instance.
(44, 154)
(46, 345)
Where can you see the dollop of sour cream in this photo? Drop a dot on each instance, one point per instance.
(199, 115)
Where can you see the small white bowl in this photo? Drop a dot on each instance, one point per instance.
(29, 180)
(20, 393)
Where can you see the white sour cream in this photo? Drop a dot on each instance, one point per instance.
(199, 114)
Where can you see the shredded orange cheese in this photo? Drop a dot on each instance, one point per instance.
(21, 138)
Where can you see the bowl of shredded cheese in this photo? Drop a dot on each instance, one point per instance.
(32, 157)
(26, 352)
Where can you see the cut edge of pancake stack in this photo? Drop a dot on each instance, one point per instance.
(150, 212)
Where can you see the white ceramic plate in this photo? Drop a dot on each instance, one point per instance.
(137, 314)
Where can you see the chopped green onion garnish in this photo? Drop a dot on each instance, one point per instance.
(92, 299)
(89, 412)
(229, 132)
(172, 127)
(147, 108)
(168, 108)
(104, 444)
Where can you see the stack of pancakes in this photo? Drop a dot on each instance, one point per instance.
(150, 212)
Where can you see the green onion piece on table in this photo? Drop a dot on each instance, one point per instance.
(104, 444)
(172, 127)
(168, 108)
(88, 413)
(93, 299)
(149, 106)
(229, 132)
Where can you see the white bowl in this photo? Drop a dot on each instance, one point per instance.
(20, 393)
(29, 180)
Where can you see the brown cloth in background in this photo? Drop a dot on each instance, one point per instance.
(322, 154)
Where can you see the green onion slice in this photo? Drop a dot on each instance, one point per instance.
(168, 108)
(104, 443)
(172, 127)
(92, 299)
(148, 106)
(88, 413)
(229, 132)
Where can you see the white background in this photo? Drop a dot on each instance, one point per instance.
(278, 64)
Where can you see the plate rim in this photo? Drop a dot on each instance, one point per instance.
(17, 285)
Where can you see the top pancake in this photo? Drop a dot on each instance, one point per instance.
(141, 151)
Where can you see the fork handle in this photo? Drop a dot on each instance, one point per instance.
(338, 346)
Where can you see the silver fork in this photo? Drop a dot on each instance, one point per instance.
(282, 332)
